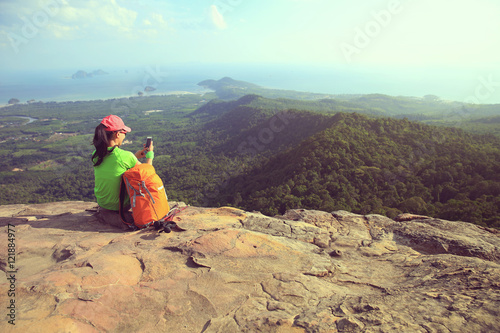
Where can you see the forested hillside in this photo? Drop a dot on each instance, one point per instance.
(382, 166)
(263, 154)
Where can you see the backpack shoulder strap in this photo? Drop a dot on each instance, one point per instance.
(127, 219)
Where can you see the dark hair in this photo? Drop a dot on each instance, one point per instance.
(101, 144)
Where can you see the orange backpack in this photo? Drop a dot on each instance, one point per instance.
(148, 198)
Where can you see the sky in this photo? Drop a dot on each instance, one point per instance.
(406, 36)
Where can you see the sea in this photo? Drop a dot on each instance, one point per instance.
(58, 85)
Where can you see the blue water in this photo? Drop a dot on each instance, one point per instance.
(57, 85)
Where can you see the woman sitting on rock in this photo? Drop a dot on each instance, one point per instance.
(110, 162)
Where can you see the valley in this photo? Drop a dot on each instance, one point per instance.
(258, 149)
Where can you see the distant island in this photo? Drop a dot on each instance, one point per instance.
(83, 74)
(146, 89)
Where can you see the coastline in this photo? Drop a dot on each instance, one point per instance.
(181, 92)
(46, 86)
(63, 100)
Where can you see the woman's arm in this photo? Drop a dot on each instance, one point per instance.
(150, 149)
(140, 153)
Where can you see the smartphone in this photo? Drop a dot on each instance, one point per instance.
(148, 141)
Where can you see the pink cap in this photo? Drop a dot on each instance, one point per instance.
(114, 123)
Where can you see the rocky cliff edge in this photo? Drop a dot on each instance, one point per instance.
(238, 271)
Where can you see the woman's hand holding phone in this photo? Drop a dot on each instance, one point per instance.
(148, 146)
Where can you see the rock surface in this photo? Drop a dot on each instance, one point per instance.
(236, 271)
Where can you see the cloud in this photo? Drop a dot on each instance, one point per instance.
(217, 18)
(101, 17)
(158, 20)
(61, 31)
(114, 15)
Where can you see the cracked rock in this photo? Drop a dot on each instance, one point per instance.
(236, 271)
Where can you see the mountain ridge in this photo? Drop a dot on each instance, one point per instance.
(428, 109)
(228, 88)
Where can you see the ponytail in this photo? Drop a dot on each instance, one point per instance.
(101, 144)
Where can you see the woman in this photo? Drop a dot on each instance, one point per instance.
(110, 161)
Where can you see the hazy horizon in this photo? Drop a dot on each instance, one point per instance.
(57, 85)
(396, 47)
